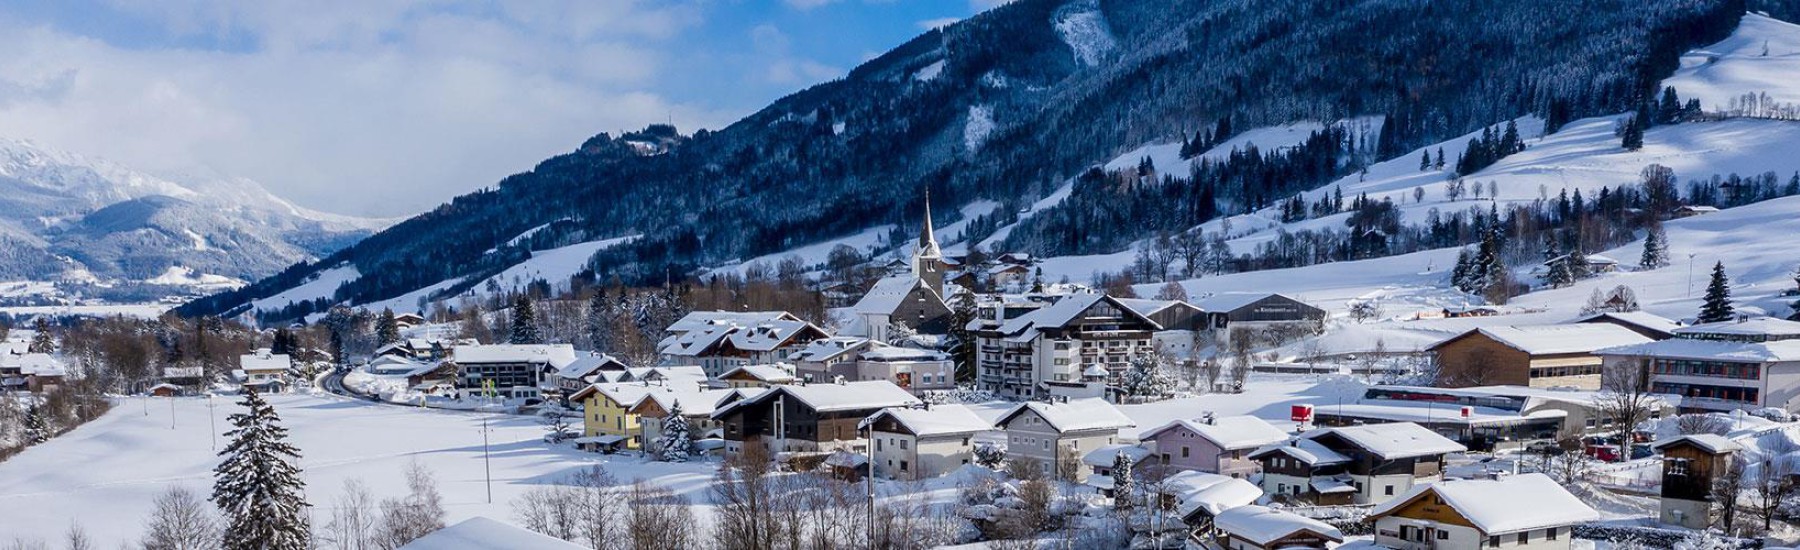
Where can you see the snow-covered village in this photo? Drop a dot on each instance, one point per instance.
(989, 275)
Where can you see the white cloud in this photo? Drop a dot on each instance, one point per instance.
(376, 107)
(806, 4)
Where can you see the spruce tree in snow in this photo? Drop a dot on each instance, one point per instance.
(1425, 161)
(1717, 305)
(387, 329)
(677, 444)
(599, 322)
(1124, 486)
(1439, 163)
(1633, 136)
(36, 430)
(41, 340)
(258, 487)
(524, 323)
(1656, 249)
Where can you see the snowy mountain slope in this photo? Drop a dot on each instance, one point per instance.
(1761, 57)
(1166, 157)
(65, 216)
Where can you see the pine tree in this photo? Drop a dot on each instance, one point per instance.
(1633, 137)
(677, 444)
(524, 323)
(962, 340)
(1669, 110)
(1656, 249)
(1439, 164)
(258, 487)
(36, 431)
(1460, 276)
(387, 329)
(1124, 486)
(41, 339)
(1716, 307)
(599, 323)
(1425, 161)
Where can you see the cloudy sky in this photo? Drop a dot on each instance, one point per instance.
(388, 107)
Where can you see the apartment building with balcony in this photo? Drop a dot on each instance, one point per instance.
(1074, 345)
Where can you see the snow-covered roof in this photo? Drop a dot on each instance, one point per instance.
(1712, 443)
(939, 420)
(1395, 410)
(1066, 309)
(694, 401)
(399, 366)
(1305, 450)
(1588, 398)
(263, 361)
(826, 349)
(1074, 415)
(1507, 505)
(587, 364)
(1755, 326)
(1261, 525)
(481, 533)
(889, 294)
(1394, 440)
(1213, 493)
(780, 373)
(1148, 307)
(555, 355)
(1230, 301)
(1228, 432)
(1104, 456)
(768, 335)
(698, 320)
(1557, 339)
(1683, 348)
(1643, 319)
(886, 353)
(846, 396)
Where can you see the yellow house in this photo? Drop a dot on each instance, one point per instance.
(606, 412)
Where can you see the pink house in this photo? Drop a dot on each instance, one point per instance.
(1213, 444)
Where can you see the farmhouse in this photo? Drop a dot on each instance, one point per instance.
(1354, 464)
(922, 443)
(1061, 432)
(1522, 511)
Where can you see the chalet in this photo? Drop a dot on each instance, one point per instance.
(696, 405)
(1100, 463)
(1061, 431)
(585, 371)
(166, 389)
(1049, 349)
(1536, 356)
(901, 300)
(606, 417)
(1253, 527)
(481, 533)
(1219, 445)
(192, 377)
(720, 341)
(1522, 511)
(759, 376)
(512, 370)
(1691, 463)
(1649, 325)
(1592, 263)
(806, 417)
(1689, 211)
(854, 358)
(1377, 461)
(417, 373)
(1256, 310)
(264, 370)
(408, 320)
(921, 443)
(33, 372)
(1732, 365)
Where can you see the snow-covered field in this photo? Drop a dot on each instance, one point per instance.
(106, 473)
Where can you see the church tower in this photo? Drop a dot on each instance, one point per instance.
(928, 259)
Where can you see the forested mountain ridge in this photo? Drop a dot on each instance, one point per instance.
(1015, 102)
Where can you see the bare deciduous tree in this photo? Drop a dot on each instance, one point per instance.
(181, 521)
(419, 514)
(1625, 398)
(658, 519)
(1727, 487)
(353, 519)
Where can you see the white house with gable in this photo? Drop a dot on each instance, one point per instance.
(1524, 511)
(922, 443)
(1064, 430)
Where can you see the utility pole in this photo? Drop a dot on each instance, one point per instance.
(213, 419)
(487, 470)
(1690, 286)
(171, 412)
(869, 479)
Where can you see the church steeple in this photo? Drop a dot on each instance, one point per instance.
(928, 246)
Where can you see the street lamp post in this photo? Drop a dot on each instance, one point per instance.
(1690, 285)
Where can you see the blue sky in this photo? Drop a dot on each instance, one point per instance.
(387, 107)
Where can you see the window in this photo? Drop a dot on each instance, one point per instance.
(902, 465)
(1524, 537)
(1550, 534)
(878, 445)
(1676, 467)
(1184, 452)
(1494, 541)
(1389, 490)
(902, 444)
(1443, 535)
